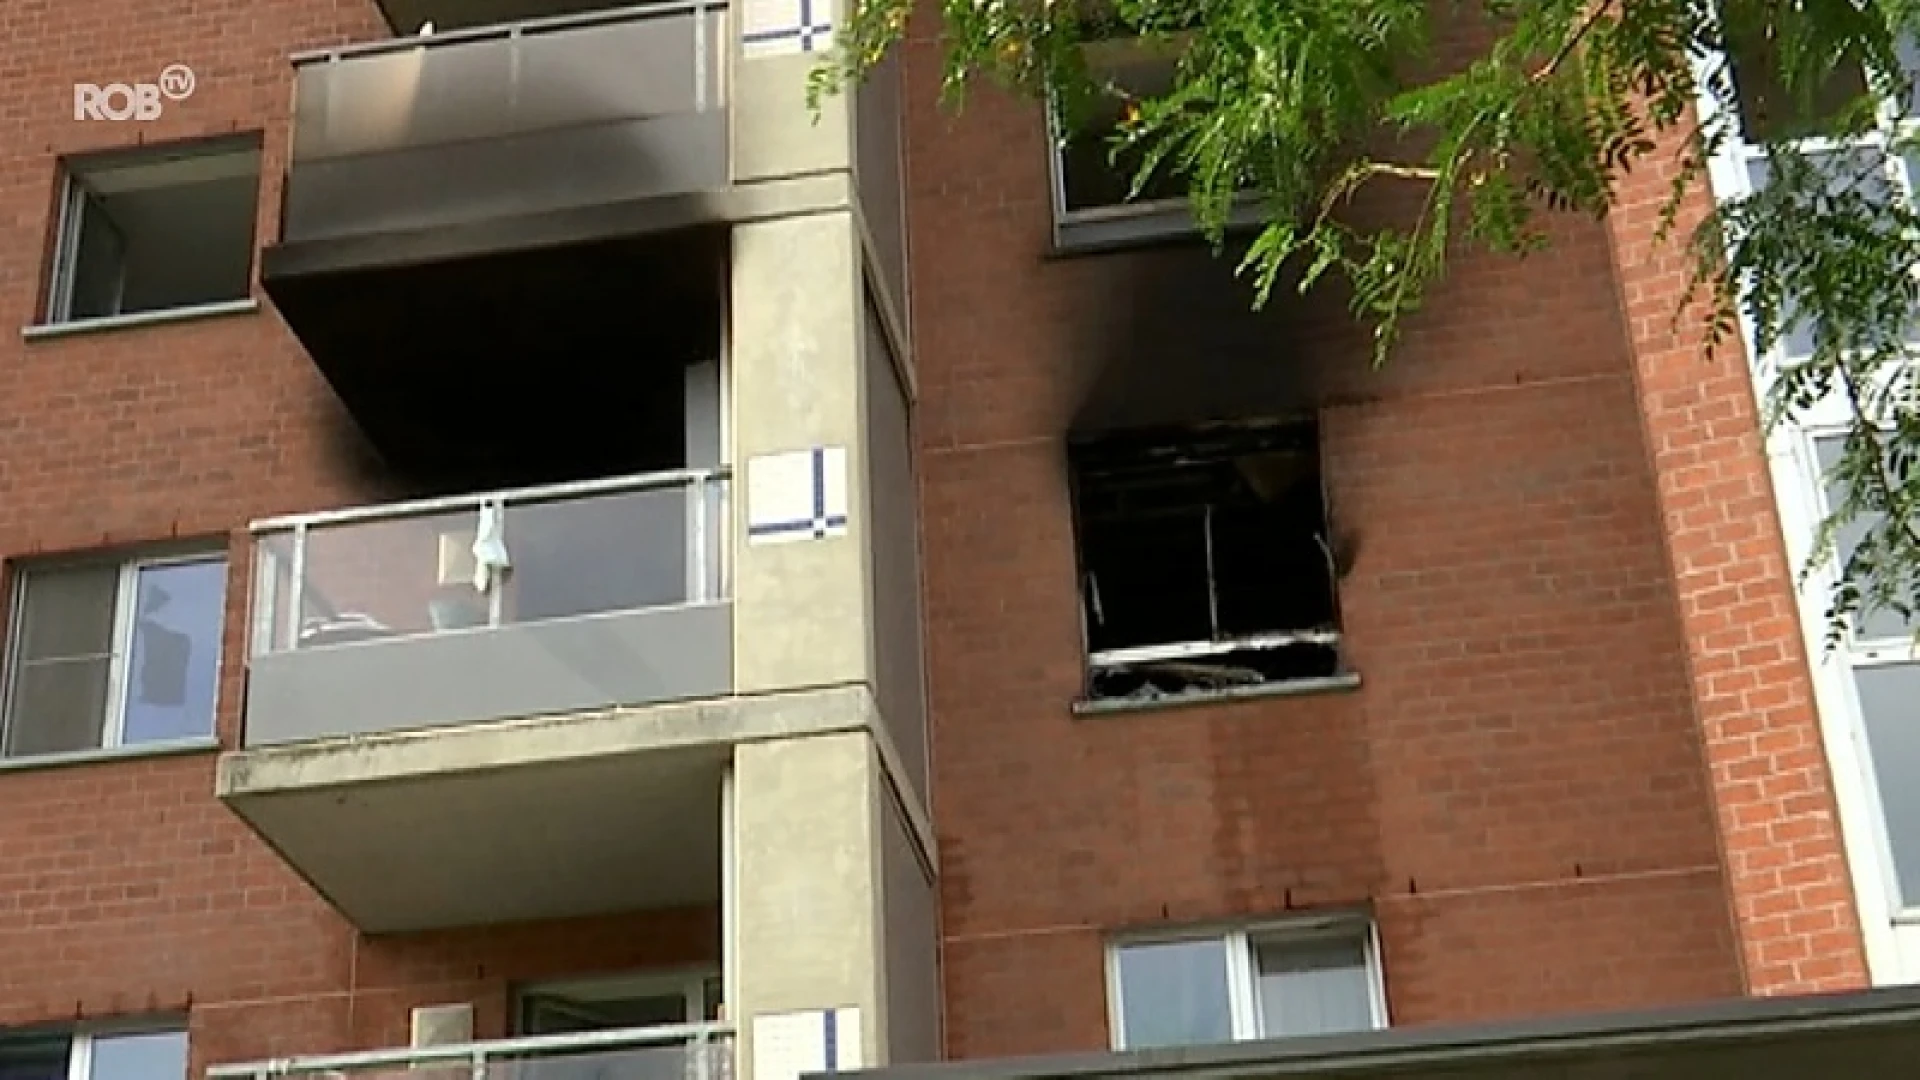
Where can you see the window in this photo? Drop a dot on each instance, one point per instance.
(1094, 171)
(1091, 177)
(130, 1055)
(618, 1002)
(1318, 978)
(1768, 113)
(155, 228)
(1204, 558)
(1886, 683)
(113, 654)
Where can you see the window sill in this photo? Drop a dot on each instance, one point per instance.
(170, 748)
(1122, 228)
(45, 331)
(1329, 684)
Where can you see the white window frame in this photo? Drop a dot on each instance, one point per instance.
(1891, 931)
(125, 602)
(1243, 977)
(80, 1045)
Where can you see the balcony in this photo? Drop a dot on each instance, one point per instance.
(449, 701)
(525, 603)
(486, 126)
(678, 1052)
(537, 195)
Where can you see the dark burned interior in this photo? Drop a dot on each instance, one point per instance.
(1205, 559)
(520, 368)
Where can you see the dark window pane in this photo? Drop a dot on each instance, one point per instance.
(33, 1059)
(173, 664)
(1314, 987)
(1091, 175)
(1768, 111)
(99, 263)
(157, 1055)
(58, 706)
(1174, 994)
(68, 612)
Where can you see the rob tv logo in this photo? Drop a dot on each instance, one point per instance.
(138, 101)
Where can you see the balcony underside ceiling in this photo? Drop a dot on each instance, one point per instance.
(516, 366)
(478, 843)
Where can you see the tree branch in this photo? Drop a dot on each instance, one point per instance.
(1587, 23)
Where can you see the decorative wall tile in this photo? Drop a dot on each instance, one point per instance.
(786, 27)
(797, 495)
(787, 1046)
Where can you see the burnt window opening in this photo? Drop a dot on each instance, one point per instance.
(1205, 559)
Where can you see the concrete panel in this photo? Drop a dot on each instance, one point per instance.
(544, 839)
(893, 489)
(560, 666)
(795, 386)
(911, 933)
(807, 915)
(774, 133)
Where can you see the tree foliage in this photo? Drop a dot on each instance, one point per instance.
(1497, 112)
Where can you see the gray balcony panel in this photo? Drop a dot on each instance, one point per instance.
(524, 119)
(529, 669)
(431, 186)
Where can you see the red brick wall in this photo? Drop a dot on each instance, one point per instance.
(1518, 788)
(1797, 923)
(127, 888)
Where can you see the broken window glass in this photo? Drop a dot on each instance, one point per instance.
(1205, 559)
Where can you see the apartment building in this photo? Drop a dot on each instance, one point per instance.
(529, 551)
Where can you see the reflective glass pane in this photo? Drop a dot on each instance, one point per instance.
(1890, 706)
(623, 551)
(1861, 170)
(1314, 987)
(1174, 994)
(1880, 623)
(155, 1055)
(173, 663)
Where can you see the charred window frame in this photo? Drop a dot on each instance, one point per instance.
(1206, 561)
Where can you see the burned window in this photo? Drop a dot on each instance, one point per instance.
(1205, 560)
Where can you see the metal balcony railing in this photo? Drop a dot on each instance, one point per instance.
(522, 117)
(677, 1052)
(478, 562)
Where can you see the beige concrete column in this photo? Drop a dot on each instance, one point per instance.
(807, 903)
(801, 598)
(774, 133)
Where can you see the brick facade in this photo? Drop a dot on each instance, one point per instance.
(1520, 788)
(1795, 916)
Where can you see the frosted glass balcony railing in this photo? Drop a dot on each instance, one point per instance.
(479, 562)
(547, 114)
(679, 1052)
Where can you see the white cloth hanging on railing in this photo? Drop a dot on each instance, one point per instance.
(490, 560)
